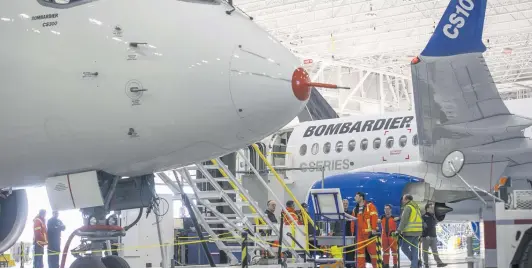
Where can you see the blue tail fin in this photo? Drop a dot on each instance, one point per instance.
(459, 30)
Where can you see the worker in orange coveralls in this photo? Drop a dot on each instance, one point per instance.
(290, 207)
(389, 243)
(367, 217)
(39, 239)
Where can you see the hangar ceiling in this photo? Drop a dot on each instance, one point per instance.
(368, 45)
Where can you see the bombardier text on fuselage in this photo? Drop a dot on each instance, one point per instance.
(359, 126)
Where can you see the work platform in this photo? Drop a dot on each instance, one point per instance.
(223, 211)
(233, 203)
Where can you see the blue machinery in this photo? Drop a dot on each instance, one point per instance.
(327, 204)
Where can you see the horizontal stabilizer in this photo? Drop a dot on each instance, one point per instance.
(494, 125)
(519, 171)
(507, 147)
(459, 30)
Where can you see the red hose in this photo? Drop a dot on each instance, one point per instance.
(85, 229)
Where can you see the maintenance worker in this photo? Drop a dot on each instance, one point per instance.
(270, 211)
(300, 212)
(39, 239)
(366, 218)
(337, 229)
(350, 255)
(410, 230)
(429, 238)
(350, 252)
(389, 242)
(290, 207)
(55, 227)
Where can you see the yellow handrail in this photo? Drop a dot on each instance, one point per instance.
(305, 214)
(258, 220)
(305, 223)
(279, 153)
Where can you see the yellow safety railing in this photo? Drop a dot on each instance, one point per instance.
(258, 220)
(268, 164)
(305, 223)
(278, 153)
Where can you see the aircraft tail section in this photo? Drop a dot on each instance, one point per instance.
(460, 29)
(457, 103)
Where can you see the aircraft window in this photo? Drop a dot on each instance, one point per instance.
(327, 147)
(303, 150)
(315, 149)
(63, 3)
(351, 145)
(377, 143)
(415, 140)
(389, 142)
(364, 144)
(402, 141)
(339, 146)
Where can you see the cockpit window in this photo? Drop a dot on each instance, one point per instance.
(63, 3)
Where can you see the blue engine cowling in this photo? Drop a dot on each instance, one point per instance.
(379, 188)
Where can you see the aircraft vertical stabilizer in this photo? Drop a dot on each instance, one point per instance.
(460, 29)
(457, 104)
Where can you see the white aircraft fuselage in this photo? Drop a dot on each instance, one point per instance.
(134, 86)
(402, 156)
(341, 145)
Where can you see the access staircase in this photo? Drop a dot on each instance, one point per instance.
(225, 229)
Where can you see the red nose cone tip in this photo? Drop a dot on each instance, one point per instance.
(301, 84)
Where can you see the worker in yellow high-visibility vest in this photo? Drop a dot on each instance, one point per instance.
(411, 229)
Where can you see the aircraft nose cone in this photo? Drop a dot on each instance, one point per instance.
(301, 84)
(267, 87)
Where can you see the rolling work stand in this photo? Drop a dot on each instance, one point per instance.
(328, 207)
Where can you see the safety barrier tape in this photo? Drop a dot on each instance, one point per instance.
(363, 244)
(369, 241)
(440, 254)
